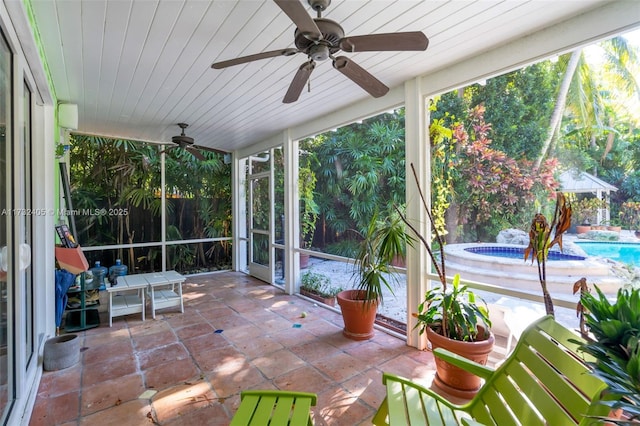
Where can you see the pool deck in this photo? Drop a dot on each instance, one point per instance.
(561, 274)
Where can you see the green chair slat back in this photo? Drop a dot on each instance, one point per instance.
(274, 408)
(545, 380)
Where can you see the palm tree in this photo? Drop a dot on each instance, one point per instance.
(579, 93)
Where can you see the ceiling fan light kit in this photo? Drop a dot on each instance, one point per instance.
(320, 39)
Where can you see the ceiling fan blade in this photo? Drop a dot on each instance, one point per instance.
(255, 57)
(360, 76)
(415, 40)
(298, 14)
(299, 81)
(166, 150)
(214, 150)
(196, 153)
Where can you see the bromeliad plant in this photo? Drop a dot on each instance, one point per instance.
(542, 237)
(451, 311)
(614, 341)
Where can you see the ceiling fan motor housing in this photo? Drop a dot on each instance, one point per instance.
(182, 140)
(319, 5)
(332, 33)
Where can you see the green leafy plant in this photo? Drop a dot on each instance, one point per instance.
(614, 341)
(308, 207)
(319, 284)
(543, 236)
(452, 311)
(463, 312)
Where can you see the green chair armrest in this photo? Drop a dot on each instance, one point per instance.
(279, 393)
(408, 383)
(471, 366)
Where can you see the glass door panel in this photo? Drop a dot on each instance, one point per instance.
(260, 218)
(7, 247)
(26, 270)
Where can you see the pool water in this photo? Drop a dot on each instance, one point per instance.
(628, 253)
(518, 253)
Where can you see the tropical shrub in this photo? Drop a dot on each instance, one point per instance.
(630, 215)
(586, 210)
(488, 190)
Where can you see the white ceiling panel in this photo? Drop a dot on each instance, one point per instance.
(136, 68)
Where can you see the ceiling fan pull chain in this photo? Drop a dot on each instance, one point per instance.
(309, 86)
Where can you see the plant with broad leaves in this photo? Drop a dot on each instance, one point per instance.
(464, 313)
(615, 327)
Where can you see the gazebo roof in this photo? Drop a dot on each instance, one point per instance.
(576, 181)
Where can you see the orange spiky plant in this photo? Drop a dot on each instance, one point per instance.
(540, 241)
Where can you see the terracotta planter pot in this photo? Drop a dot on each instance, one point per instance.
(331, 301)
(581, 229)
(451, 379)
(614, 228)
(358, 315)
(304, 260)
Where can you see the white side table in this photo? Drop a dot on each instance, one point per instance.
(165, 290)
(122, 302)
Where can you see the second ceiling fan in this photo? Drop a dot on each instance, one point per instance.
(320, 39)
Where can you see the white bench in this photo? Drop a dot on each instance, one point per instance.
(163, 288)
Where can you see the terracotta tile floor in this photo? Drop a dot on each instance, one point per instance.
(179, 369)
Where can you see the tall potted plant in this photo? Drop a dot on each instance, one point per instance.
(452, 317)
(383, 241)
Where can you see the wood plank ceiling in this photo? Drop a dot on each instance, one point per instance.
(137, 67)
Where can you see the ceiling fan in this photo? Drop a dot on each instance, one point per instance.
(320, 39)
(185, 142)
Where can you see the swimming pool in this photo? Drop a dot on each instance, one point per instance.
(628, 253)
(504, 265)
(518, 253)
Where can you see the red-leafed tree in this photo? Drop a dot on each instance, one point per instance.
(487, 190)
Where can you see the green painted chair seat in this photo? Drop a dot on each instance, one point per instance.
(274, 408)
(544, 381)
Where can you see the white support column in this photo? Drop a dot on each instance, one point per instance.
(417, 153)
(292, 214)
(239, 216)
(163, 209)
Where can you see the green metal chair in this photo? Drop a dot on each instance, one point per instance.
(274, 408)
(544, 381)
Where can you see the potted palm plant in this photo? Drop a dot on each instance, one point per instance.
(453, 318)
(383, 241)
